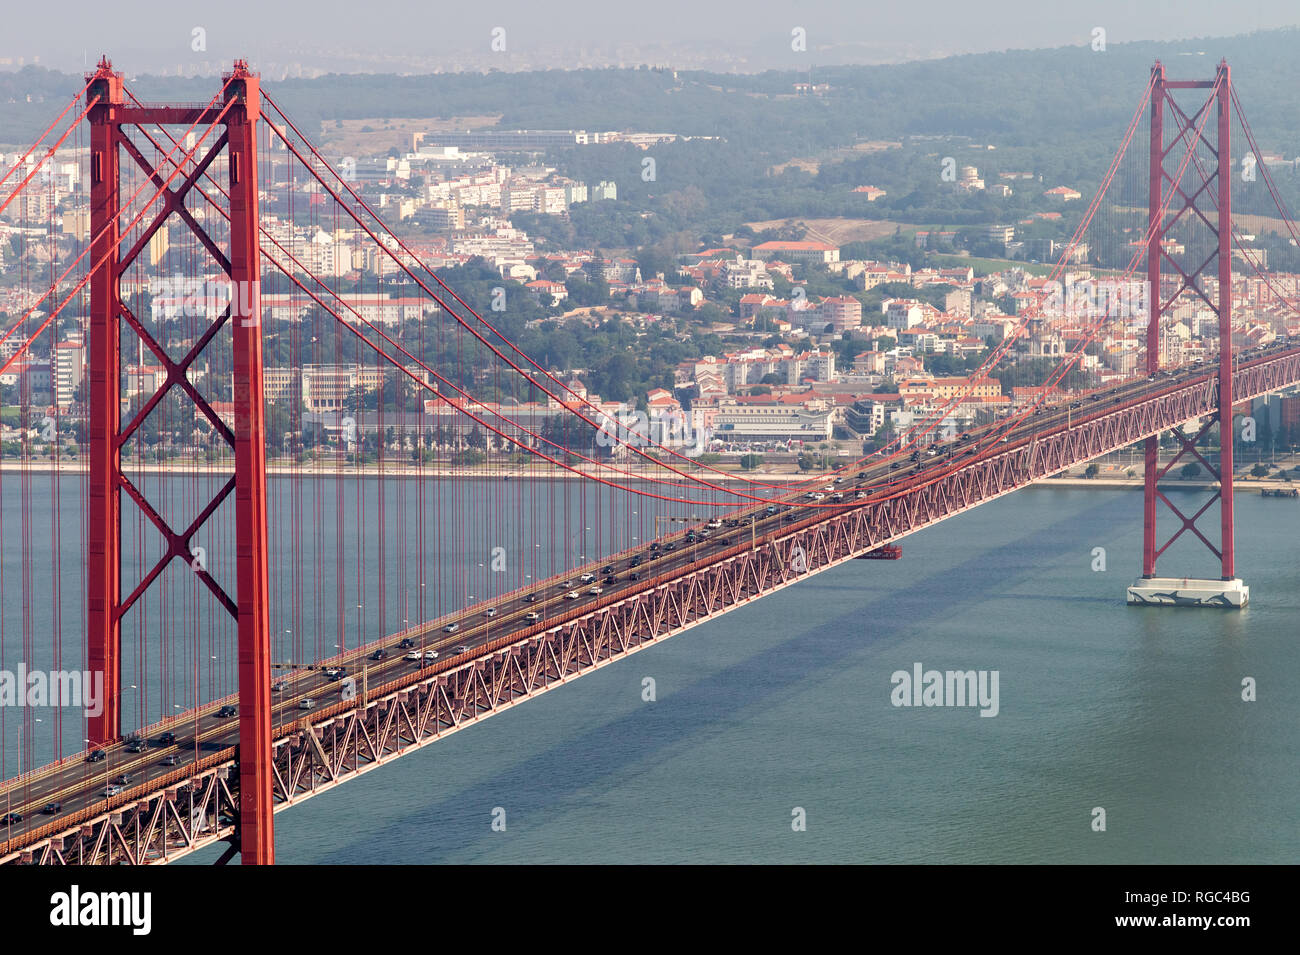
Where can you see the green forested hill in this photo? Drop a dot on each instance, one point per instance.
(1059, 113)
(1014, 97)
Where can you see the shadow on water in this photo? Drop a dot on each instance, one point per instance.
(545, 781)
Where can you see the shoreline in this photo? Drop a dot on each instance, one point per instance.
(1243, 483)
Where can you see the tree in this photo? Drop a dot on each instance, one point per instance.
(1259, 470)
(1091, 471)
(749, 462)
(1190, 470)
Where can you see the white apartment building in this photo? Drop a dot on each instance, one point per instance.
(771, 422)
(69, 369)
(902, 313)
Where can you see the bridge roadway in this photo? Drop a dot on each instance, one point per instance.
(79, 787)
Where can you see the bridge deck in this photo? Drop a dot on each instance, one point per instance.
(490, 663)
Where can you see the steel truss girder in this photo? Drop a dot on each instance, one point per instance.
(351, 738)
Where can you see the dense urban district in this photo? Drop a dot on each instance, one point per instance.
(779, 319)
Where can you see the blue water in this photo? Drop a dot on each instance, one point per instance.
(786, 703)
(344, 571)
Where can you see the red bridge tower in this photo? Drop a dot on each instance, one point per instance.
(1173, 200)
(238, 113)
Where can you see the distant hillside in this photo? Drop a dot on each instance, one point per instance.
(1016, 97)
(1058, 114)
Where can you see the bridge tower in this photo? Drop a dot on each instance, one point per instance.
(1187, 197)
(110, 118)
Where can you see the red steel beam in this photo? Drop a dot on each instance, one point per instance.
(256, 836)
(1155, 196)
(1227, 524)
(104, 514)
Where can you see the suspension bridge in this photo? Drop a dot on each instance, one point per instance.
(267, 630)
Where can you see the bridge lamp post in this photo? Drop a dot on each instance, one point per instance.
(573, 544)
(86, 769)
(9, 793)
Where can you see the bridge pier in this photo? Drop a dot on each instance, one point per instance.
(1188, 592)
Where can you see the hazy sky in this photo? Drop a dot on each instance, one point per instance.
(735, 34)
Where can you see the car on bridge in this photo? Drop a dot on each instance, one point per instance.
(50, 808)
(167, 739)
(451, 628)
(571, 595)
(532, 598)
(430, 654)
(406, 643)
(413, 656)
(490, 612)
(112, 790)
(380, 654)
(532, 615)
(596, 591)
(227, 711)
(171, 759)
(460, 649)
(279, 686)
(96, 756)
(306, 703)
(137, 744)
(335, 673)
(11, 819)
